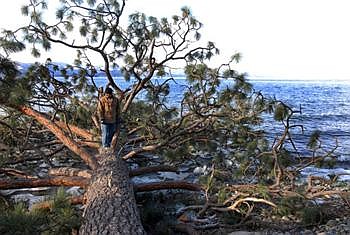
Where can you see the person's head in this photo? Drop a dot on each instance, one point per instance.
(109, 91)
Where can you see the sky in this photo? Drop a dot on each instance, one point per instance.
(308, 39)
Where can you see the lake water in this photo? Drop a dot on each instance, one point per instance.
(325, 107)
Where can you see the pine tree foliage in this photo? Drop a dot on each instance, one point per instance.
(314, 139)
(61, 218)
(21, 221)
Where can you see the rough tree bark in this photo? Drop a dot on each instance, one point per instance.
(110, 201)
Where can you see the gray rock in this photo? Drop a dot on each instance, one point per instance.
(308, 232)
(201, 170)
(75, 191)
(44, 165)
(331, 223)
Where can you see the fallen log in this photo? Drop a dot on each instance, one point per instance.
(70, 171)
(15, 172)
(50, 181)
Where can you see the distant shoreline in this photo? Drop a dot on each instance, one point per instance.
(266, 79)
(180, 75)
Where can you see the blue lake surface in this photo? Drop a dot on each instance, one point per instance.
(325, 107)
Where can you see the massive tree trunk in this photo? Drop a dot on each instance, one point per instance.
(110, 201)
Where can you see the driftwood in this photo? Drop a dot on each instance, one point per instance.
(235, 205)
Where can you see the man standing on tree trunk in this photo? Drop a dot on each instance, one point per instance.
(108, 111)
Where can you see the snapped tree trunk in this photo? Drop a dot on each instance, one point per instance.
(110, 201)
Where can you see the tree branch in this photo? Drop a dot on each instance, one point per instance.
(67, 141)
(51, 181)
(167, 185)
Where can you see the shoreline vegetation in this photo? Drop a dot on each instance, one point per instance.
(203, 166)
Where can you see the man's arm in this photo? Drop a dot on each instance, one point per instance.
(100, 111)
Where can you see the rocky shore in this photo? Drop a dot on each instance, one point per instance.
(338, 226)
